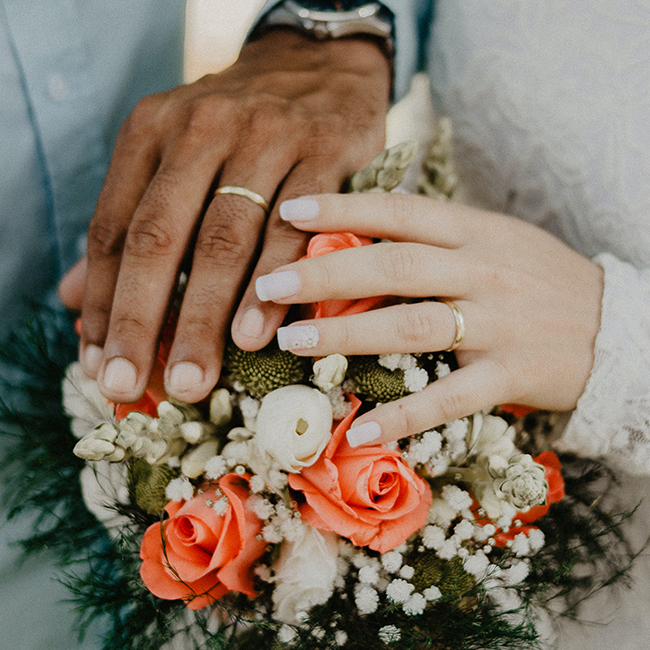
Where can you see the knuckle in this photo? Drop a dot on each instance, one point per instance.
(105, 238)
(199, 330)
(142, 117)
(414, 327)
(224, 243)
(129, 328)
(397, 263)
(402, 209)
(449, 405)
(201, 118)
(150, 238)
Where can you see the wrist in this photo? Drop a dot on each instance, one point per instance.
(287, 50)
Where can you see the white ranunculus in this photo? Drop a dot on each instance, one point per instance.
(294, 426)
(83, 402)
(304, 574)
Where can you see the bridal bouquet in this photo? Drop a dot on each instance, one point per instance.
(247, 520)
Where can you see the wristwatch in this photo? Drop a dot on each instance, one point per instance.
(329, 20)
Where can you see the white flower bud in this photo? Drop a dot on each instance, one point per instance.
(193, 463)
(220, 407)
(193, 432)
(330, 371)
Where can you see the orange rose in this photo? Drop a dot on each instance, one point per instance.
(328, 242)
(366, 494)
(197, 555)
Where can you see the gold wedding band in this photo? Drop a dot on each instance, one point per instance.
(460, 325)
(245, 192)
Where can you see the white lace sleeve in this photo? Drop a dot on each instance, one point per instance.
(612, 419)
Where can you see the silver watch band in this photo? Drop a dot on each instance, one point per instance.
(371, 19)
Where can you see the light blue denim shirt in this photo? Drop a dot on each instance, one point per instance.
(70, 72)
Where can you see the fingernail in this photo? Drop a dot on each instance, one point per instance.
(252, 323)
(184, 376)
(120, 375)
(363, 434)
(298, 337)
(277, 285)
(91, 359)
(299, 209)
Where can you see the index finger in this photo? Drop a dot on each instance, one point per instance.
(395, 216)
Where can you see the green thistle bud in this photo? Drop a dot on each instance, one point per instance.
(373, 381)
(147, 484)
(265, 370)
(448, 575)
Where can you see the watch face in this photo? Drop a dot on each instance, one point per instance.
(332, 5)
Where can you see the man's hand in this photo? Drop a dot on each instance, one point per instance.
(291, 117)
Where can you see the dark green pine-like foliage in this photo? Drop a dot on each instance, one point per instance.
(41, 477)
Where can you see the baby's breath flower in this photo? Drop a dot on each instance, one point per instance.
(415, 605)
(536, 539)
(179, 489)
(391, 561)
(399, 590)
(432, 593)
(367, 600)
(389, 634)
(406, 572)
(456, 498)
(215, 467)
(476, 564)
(368, 574)
(415, 379)
(434, 537)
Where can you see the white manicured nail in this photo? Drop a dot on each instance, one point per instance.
(299, 209)
(120, 375)
(252, 323)
(277, 285)
(91, 360)
(363, 434)
(298, 337)
(184, 376)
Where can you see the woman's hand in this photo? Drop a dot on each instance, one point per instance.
(531, 305)
(291, 116)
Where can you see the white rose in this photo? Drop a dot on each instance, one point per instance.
(294, 426)
(491, 436)
(304, 574)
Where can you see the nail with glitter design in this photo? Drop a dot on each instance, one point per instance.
(298, 337)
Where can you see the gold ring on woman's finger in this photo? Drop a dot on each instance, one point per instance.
(245, 192)
(460, 325)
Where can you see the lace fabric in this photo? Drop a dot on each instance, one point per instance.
(550, 103)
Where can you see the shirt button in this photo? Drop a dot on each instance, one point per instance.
(57, 86)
